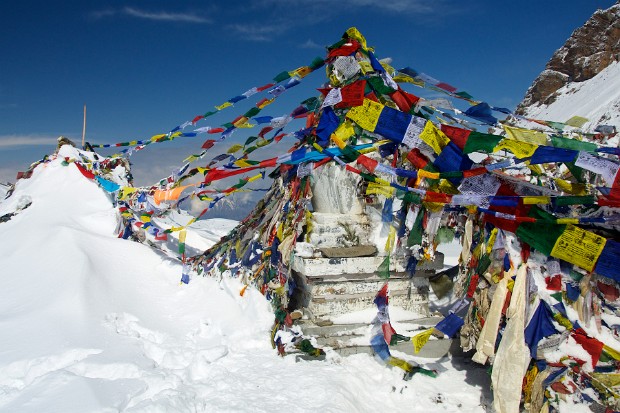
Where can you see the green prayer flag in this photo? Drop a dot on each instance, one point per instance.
(481, 142)
(541, 237)
(350, 154)
(415, 234)
(575, 200)
(573, 144)
(464, 95)
(316, 63)
(281, 76)
(379, 86)
(252, 112)
(384, 268)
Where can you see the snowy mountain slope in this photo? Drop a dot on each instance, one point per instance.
(93, 323)
(597, 99)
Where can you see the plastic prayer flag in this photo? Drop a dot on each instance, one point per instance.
(420, 339)
(168, 195)
(109, 186)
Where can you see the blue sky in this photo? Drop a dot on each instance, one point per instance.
(143, 67)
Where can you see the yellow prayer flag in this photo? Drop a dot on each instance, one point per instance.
(365, 66)
(435, 138)
(531, 200)
(191, 158)
(426, 174)
(234, 148)
(125, 192)
(223, 105)
(402, 78)
(570, 187)
(578, 246)
(366, 115)
(242, 163)
(526, 135)
(389, 243)
(378, 189)
(576, 121)
(157, 137)
(255, 177)
(491, 241)
(612, 353)
(344, 131)
(239, 123)
(265, 103)
(381, 181)
(567, 221)
(355, 34)
(400, 363)
(300, 72)
(519, 149)
(420, 339)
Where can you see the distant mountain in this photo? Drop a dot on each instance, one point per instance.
(582, 77)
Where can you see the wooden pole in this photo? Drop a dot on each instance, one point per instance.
(84, 127)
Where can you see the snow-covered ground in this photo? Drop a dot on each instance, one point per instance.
(93, 323)
(597, 99)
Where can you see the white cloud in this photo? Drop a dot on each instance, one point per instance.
(262, 33)
(310, 44)
(8, 141)
(164, 16)
(330, 7)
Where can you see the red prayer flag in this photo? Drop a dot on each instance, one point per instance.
(84, 171)
(404, 100)
(457, 135)
(208, 144)
(267, 86)
(591, 345)
(346, 49)
(352, 95)
(368, 163)
(417, 159)
(446, 86)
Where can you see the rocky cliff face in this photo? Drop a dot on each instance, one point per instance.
(589, 50)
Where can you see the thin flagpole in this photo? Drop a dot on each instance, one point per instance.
(84, 127)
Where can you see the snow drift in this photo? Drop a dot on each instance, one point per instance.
(92, 322)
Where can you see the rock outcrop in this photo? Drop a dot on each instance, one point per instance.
(589, 50)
